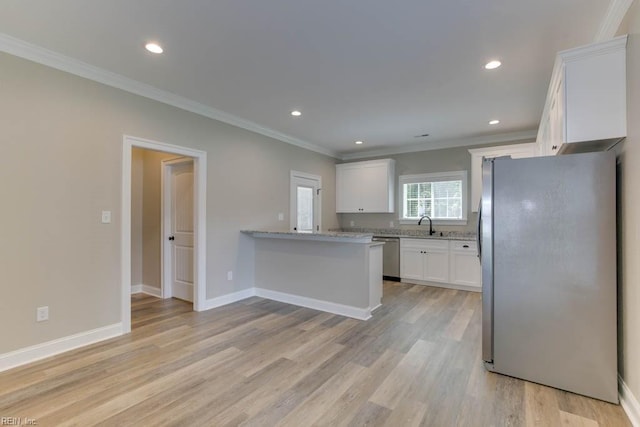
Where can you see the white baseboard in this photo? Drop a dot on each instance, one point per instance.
(60, 345)
(468, 288)
(228, 299)
(146, 289)
(629, 403)
(330, 307)
(51, 348)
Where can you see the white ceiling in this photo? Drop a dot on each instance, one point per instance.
(374, 70)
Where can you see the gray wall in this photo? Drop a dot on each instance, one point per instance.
(146, 216)
(432, 161)
(629, 215)
(62, 144)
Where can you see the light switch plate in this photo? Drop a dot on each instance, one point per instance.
(42, 313)
(106, 217)
(352, 223)
(280, 216)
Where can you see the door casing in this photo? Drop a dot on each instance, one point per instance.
(200, 205)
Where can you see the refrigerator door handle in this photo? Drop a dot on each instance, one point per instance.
(479, 232)
(487, 260)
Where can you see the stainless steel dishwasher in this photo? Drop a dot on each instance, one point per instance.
(390, 257)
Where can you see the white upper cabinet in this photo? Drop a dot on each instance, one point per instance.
(586, 101)
(516, 151)
(365, 186)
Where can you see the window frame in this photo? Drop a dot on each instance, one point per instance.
(434, 177)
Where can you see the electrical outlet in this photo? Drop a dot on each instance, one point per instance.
(106, 217)
(391, 224)
(280, 216)
(229, 275)
(352, 223)
(42, 313)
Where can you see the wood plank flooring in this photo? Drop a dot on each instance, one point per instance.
(263, 363)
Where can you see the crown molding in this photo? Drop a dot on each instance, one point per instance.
(445, 143)
(40, 55)
(603, 47)
(612, 20)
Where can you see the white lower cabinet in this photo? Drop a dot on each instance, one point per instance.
(424, 259)
(464, 266)
(448, 263)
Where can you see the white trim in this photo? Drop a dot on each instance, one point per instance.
(505, 150)
(444, 143)
(590, 50)
(629, 403)
(317, 208)
(200, 203)
(327, 306)
(57, 346)
(22, 49)
(146, 289)
(467, 288)
(61, 345)
(166, 284)
(612, 20)
(228, 298)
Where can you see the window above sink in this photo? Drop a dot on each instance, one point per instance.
(441, 196)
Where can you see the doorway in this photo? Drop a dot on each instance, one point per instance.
(197, 258)
(305, 209)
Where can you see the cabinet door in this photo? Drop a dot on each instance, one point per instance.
(595, 104)
(556, 120)
(374, 193)
(412, 263)
(465, 269)
(543, 137)
(436, 266)
(347, 189)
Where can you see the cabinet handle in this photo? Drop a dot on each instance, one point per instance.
(465, 246)
(555, 147)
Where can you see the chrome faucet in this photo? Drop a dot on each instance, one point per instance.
(431, 231)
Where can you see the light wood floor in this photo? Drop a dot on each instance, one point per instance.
(264, 363)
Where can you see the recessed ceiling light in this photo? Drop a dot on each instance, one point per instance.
(154, 48)
(359, 142)
(296, 113)
(492, 65)
(494, 122)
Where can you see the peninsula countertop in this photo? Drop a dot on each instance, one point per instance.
(325, 236)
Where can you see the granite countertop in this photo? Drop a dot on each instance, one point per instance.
(326, 236)
(414, 234)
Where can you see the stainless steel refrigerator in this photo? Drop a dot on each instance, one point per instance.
(547, 242)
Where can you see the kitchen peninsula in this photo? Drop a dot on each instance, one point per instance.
(336, 272)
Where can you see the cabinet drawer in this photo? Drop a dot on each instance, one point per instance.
(442, 245)
(464, 246)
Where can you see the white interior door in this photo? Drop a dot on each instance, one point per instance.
(305, 202)
(180, 231)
